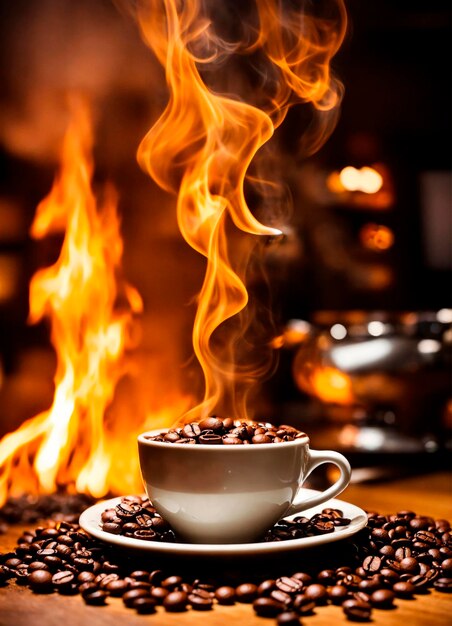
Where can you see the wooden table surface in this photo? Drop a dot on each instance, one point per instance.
(426, 495)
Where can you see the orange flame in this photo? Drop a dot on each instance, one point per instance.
(74, 443)
(201, 148)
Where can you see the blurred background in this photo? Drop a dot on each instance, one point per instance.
(361, 282)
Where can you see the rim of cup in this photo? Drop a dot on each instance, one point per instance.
(143, 438)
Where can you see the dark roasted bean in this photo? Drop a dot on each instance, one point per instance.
(191, 431)
(443, 584)
(96, 598)
(229, 440)
(305, 578)
(116, 588)
(303, 604)
(403, 589)
(316, 592)
(132, 594)
(357, 610)
(337, 594)
(172, 582)
(64, 578)
(382, 598)
(144, 605)
(288, 618)
(289, 585)
(410, 565)
(281, 596)
(40, 581)
(200, 602)
(372, 564)
(211, 423)
(210, 439)
(175, 601)
(159, 594)
(267, 607)
(225, 595)
(246, 592)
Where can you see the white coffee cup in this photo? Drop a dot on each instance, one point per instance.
(232, 494)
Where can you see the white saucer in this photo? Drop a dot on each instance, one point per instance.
(90, 520)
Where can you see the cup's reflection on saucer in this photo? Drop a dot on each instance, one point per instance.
(231, 494)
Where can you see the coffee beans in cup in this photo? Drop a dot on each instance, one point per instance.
(215, 431)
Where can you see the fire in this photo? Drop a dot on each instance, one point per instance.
(76, 443)
(201, 148)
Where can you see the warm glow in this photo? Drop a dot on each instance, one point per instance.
(74, 443)
(365, 179)
(376, 237)
(331, 385)
(201, 148)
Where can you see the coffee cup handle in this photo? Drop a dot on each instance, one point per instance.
(316, 458)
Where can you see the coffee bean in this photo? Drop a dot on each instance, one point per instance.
(229, 440)
(210, 439)
(132, 594)
(85, 577)
(267, 586)
(64, 578)
(191, 431)
(34, 565)
(225, 595)
(172, 582)
(40, 581)
(159, 594)
(95, 598)
(443, 584)
(372, 564)
(145, 533)
(288, 618)
(112, 527)
(127, 511)
(140, 575)
(144, 605)
(357, 610)
(116, 588)
(420, 583)
(382, 598)
(322, 527)
(289, 585)
(317, 592)
(175, 601)
(403, 589)
(327, 577)
(281, 596)
(211, 423)
(261, 438)
(267, 607)
(171, 436)
(303, 604)
(200, 602)
(337, 594)
(246, 592)
(86, 588)
(305, 578)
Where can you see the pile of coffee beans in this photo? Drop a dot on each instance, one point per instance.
(135, 517)
(217, 431)
(29, 509)
(394, 557)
